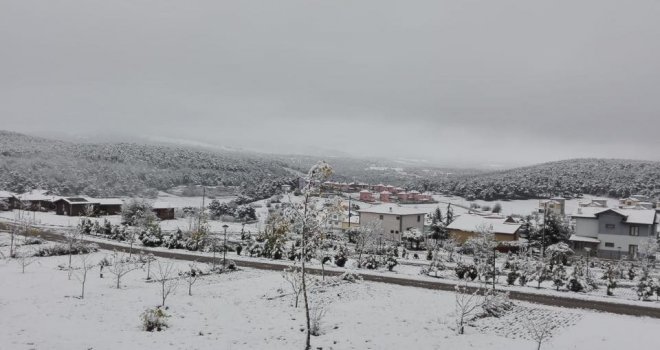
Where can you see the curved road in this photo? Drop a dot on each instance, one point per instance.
(617, 308)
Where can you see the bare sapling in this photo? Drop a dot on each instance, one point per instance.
(293, 275)
(191, 275)
(540, 330)
(24, 258)
(121, 266)
(466, 306)
(81, 272)
(166, 276)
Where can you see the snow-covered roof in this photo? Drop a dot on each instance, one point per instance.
(162, 205)
(109, 201)
(414, 192)
(36, 195)
(576, 238)
(365, 191)
(6, 194)
(475, 223)
(78, 200)
(632, 216)
(386, 192)
(394, 210)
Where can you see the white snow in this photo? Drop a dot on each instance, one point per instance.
(251, 309)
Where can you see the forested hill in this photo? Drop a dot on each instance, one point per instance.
(601, 177)
(68, 168)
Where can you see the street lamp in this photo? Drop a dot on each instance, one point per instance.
(224, 250)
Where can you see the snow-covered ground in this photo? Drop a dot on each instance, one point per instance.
(252, 309)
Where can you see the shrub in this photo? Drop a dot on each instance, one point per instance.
(154, 319)
(371, 263)
(63, 249)
(463, 271)
(239, 249)
(391, 262)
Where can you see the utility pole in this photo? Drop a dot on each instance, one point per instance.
(349, 211)
(545, 213)
(201, 211)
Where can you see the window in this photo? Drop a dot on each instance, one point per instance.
(634, 230)
(419, 218)
(381, 217)
(632, 251)
(397, 231)
(609, 226)
(609, 244)
(398, 218)
(391, 231)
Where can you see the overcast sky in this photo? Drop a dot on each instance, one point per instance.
(470, 82)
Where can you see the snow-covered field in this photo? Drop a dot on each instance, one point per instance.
(252, 309)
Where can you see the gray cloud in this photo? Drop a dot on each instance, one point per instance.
(454, 81)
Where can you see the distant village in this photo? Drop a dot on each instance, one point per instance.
(596, 229)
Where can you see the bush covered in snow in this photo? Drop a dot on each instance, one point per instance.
(154, 319)
(65, 249)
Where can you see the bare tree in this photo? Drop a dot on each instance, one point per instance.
(317, 313)
(165, 275)
(81, 273)
(307, 224)
(149, 258)
(293, 275)
(467, 304)
(540, 330)
(191, 275)
(121, 265)
(71, 238)
(25, 258)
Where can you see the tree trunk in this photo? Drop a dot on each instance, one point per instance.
(308, 345)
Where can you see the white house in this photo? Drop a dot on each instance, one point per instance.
(395, 219)
(613, 232)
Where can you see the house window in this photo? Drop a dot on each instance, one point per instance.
(609, 226)
(632, 251)
(398, 218)
(397, 232)
(419, 218)
(381, 217)
(391, 231)
(609, 244)
(634, 230)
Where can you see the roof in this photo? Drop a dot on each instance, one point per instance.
(394, 210)
(475, 223)
(109, 201)
(365, 191)
(386, 192)
(631, 216)
(6, 194)
(36, 195)
(76, 200)
(576, 238)
(162, 205)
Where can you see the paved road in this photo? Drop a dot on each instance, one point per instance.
(635, 310)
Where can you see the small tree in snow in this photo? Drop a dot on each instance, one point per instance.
(466, 306)
(366, 238)
(611, 275)
(165, 275)
(191, 275)
(81, 273)
(25, 258)
(540, 330)
(121, 265)
(293, 276)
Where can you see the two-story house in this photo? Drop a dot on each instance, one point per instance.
(394, 219)
(612, 232)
